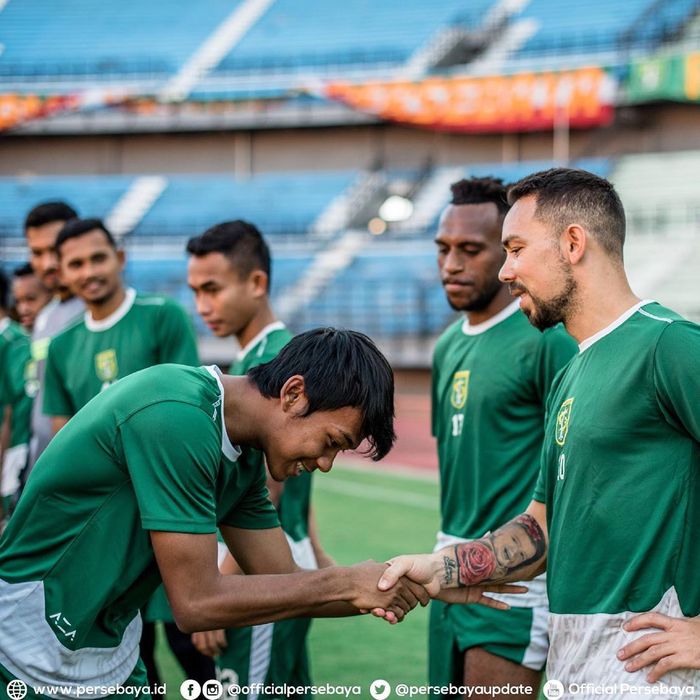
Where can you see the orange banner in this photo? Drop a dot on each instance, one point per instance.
(524, 102)
(16, 109)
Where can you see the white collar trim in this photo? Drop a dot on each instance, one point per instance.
(114, 318)
(585, 344)
(4, 324)
(502, 315)
(269, 328)
(229, 450)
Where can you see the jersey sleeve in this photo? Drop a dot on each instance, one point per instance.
(57, 400)
(172, 453)
(677, 378)
(176, 338)
(557, 347)
(254, 510)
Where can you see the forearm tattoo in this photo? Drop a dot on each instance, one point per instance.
(512, 547)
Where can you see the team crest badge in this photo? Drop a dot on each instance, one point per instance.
(460, 389)
(106, 365)
(563, 418)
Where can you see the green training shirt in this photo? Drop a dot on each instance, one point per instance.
(489, 386)
(91, 355)
(15, 357)
(620, 476)
(76, 561)
(294, 504)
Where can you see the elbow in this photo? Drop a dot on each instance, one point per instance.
(192, 616)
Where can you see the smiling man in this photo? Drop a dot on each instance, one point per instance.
(491, 374)
(121, 331)
(133, 490)
(615, 513)
(229, 273)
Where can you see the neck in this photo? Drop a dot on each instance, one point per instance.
(496, 305)
(64, 294)
(108, 306)
(599, 304)
(244, 410)
(264, 317)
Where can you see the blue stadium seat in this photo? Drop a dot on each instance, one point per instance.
(102, 39)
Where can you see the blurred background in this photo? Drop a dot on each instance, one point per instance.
(337, 128)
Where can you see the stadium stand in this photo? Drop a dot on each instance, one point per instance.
(121, 40)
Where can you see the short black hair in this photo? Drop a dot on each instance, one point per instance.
(48, 212)
(565, 196)
(79, 227)
(4, 290)
(240, 241)
(25, 270)
(340, 368)
(481, 190)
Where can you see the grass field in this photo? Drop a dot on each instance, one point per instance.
(364, 514)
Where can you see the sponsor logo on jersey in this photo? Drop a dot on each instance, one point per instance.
(460, 389)
(562, 426)
(106, 365)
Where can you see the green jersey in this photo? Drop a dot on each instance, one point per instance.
(91, 355)
(294, 504)
(15, 356)
(490, 382)
(619, 475)
(76, 562)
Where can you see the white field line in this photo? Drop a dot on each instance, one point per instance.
(385, 468)
(376, 493)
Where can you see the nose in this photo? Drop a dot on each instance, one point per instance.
(325, 463)
(452, 262)
(505, 274)
(203, 306)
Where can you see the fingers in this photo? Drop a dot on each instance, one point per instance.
(668, 663)
(492, 603)
(649, 656)
(210, 643)
(638, 646)
(646, 620)
(503, 588)
(418, 591)
(398, 567)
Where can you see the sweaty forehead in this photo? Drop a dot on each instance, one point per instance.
(471, 221)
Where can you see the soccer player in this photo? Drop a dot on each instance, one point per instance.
(29, 294)
(41, 228)
(229, 273)
(615, 514)
(121, 331)
(134, 487)
(491, 374)
(15, 404)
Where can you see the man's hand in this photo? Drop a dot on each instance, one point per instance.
(676, 646)
(210, 643)
(396, 602)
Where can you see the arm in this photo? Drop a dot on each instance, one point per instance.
(322, 558)
(675, 645)
(514, 552)
(203, 599)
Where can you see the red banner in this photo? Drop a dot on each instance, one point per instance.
(524, 102)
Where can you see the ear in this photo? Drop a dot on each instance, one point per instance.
(574, 242)
(293, 396)
(121, 257)
(259, 283)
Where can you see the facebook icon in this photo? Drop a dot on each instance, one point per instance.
(190, 690)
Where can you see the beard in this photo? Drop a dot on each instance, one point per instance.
(546, 313)
(484, 297)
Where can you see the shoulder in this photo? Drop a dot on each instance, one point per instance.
(75, 329)
(157, 305)
(448, 337)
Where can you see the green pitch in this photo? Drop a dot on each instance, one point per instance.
(363, 514)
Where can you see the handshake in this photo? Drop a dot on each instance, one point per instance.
(393, 589)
